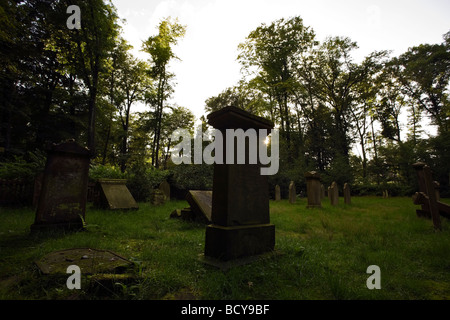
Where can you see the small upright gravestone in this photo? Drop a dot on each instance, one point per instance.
(334, 194)
(292, 192)
(347, 196)
(63, 195)
(277, 193)
(165, 188)
(240, 199)
(313, 189)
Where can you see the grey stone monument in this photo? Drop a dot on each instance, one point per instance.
(114, 195)
(292, 193)
(313, 189)
(334, 194)
(63, 194)
(347, 196)
(277, 193)
(240, 199)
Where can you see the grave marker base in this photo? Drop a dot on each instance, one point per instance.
(227, 243)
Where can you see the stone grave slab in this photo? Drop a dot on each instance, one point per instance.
(201, 204)
(63, 192)
(91, 261)
(313, 189)
(165, 188)
(114, 195)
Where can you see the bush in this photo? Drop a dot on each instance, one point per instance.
(105, 172)
(142, 180)
(23, 169)
(186, 177)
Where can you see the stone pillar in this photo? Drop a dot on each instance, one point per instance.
(347, 196)
(240, 200)
(63, 195)
(313, 189)
(277, 193)
(322, 192)
(334, 194)
(292, 193)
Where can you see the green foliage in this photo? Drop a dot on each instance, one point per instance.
(142, 179)
(23, 169)
(105, 172)
(192, 176)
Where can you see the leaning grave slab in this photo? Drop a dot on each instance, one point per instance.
(240, 199)
(201, 203)
(114, 195)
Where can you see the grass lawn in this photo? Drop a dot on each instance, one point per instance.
(323, 254)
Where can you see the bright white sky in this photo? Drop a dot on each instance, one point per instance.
(216, 27)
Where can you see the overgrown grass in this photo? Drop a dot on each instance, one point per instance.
(323, 254)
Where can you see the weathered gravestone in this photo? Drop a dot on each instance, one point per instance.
(313, 189)
(292, 193)
(427, 197)
(347, 196)
(240, 200)
(200, 204)
(63, 194)
(165, 188)
(277, 193)
(114, 195)
(157, 197)
(334, 194)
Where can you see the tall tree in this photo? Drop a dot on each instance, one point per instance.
(160, 48)
(270, 54)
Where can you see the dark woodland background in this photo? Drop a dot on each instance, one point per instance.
(57, 84)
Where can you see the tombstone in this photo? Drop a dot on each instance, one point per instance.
(63, 194)
(334, 194)
(385, 194)
(200, 204)
(313, 189)
(277, 193)
(240, 199)
(114, 195)
(322, 192)
(436, 189)
(292, 192)
(165, 188)
(37, 189)
(432, 208)
(347, 196)
(157, 197)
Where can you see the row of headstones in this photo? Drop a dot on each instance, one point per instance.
(316, 192)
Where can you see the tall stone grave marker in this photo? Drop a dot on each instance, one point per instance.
(240, 200)
(63, 195)
(334, 194)
(277, 193)
(165, 188)
(313, 189)
(347, 196)
(322, 192)
(292, 192)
